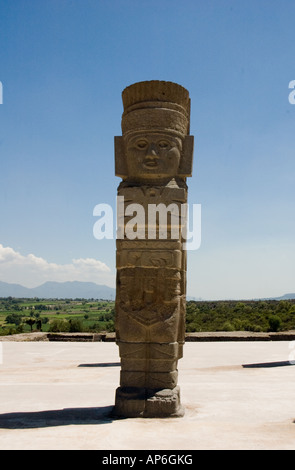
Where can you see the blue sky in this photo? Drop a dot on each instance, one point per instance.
(63, 66)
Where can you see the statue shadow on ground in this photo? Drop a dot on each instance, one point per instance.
(269, 364)
(101, 364)
(62, 417)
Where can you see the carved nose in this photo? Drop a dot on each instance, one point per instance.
(152, 151)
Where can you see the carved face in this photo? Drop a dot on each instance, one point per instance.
(153, 155)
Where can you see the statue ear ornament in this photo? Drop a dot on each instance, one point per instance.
(120, 158)
(186, 161)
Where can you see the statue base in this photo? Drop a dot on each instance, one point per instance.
(134, 402)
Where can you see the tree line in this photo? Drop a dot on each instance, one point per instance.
(255, 316)
(210, 316)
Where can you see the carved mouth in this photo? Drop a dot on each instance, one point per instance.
(150, 163)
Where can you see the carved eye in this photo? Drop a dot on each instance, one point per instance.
(141, 144)
(163, 144)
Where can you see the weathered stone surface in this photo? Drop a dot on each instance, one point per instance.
(153, 157)
(148, 403)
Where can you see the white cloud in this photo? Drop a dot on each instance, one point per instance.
(31, 271)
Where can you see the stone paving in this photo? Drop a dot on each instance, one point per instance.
(59, 395)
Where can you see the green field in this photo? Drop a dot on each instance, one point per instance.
(25, 315)
(80, 315)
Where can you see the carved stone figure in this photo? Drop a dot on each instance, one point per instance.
(153, 157)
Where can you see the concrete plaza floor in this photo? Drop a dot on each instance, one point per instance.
(59, 395)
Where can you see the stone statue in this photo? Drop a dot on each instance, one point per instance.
(153, 157)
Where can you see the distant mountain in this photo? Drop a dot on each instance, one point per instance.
(59, 290)
(13, 290)
(286, 297)
(76, 289)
